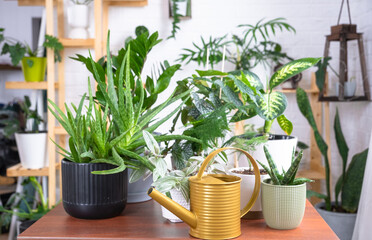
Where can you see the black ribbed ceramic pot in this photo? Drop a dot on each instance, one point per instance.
(91, 196)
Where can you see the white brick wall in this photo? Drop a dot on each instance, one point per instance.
(312, 20)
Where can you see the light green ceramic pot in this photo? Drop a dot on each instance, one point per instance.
(283, 207)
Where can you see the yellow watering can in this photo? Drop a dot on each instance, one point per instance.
(214, 202)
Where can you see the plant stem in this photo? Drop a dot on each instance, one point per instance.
(267, 125)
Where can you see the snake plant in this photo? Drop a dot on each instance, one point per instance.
(349, 184)
(287, 177)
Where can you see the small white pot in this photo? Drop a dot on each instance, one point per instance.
(78, 20)
(280, 148)
(246, 191)
(32, 149)
(177, 197)
(349, 88)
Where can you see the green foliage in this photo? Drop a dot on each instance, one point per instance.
(15, 202)
(350, 182)
(17, 50)
(53, 43)
(176, 17)
(285, 178)
(13, 125)
(248, 51)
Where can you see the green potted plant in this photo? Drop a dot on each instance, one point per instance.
(31, 141)
(283, 195)
(246, 51)
(33, 65)
(178, 9)
(21, 206)
(340, 215)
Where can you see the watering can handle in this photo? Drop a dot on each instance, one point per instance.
(257, 183)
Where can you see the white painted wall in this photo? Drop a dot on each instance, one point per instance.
(312, 20)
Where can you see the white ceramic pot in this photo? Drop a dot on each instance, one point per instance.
(137, 191)
(341, 223)
(246, 191)
(283, 207)
(281, 149)
(177, 197)
(349, 88)
(32, 149)
(77, 18)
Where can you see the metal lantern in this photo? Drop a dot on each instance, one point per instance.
(343, 33)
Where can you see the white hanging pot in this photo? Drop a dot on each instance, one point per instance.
(78, 20)
(177, 197)
(349, 88)
(32, 149)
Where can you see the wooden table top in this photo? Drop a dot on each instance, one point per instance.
(144, 221)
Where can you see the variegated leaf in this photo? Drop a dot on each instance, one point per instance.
(291, 69)
(285, 124)
(272, 105)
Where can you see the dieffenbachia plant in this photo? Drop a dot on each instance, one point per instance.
(287, 177)
(349, 184)
(245, 91)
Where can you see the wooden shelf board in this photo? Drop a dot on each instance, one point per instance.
(28, 85)
(9, 67)
(126, 3)
(77, 43)
(19, 171)
(311, 90)
(347, 99)
(312, 174)
(60, 131)
(33, 2)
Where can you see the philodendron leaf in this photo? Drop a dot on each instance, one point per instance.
(352, 187)
(291, 69)
(271, 106)
(151, 143)
(285, 124)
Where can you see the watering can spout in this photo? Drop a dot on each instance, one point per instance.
(181, 212)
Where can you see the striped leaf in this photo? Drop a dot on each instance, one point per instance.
(285, 124)
(291, 69)
(275, 173)
(290, 175)
(271, 106)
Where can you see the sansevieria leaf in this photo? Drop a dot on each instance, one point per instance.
(291, 69)
(285, 124)
(271, 106)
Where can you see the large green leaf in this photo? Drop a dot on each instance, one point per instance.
(285, 124)
(291, 69)
(271, 106)
(165, 78)
(352, 187)
(320, 74)
(343, 149)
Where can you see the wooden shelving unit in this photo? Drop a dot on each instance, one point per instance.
(56, 83)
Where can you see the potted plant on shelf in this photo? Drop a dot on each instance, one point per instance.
(340, 215)
(283, 195)
(33, 66)
(21, 206)
(31, 141)
(78, 18)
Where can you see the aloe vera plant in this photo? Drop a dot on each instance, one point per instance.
(116, 136)
(349, 184)
(285, 178)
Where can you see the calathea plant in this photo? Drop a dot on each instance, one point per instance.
(286, 177)
(349, 184)
(124, 98)
(26, 115)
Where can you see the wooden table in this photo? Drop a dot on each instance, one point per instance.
(144, 221)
